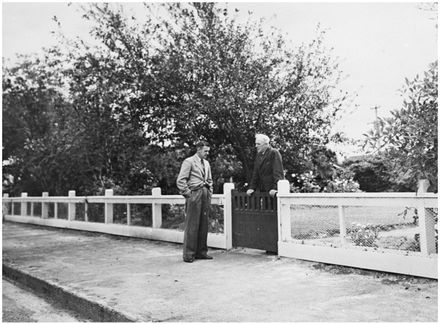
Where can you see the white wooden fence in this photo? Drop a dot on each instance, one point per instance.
(155, 232)
(418, 263)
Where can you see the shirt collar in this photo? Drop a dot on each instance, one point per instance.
(198, 158)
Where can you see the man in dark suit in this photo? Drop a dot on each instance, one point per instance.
(268, 167)
(195, 184)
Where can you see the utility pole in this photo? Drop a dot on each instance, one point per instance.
(377, 127)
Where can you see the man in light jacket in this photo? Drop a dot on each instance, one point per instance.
(195, 184)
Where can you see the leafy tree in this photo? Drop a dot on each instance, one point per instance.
(409, 139)
(132, 106)
(35, 123)
(28, 99)
(372, 172)
(205, 76)
(231, 81)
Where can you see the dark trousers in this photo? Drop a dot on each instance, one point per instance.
(196, 223)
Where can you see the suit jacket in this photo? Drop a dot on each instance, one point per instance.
(268, 169)
(192, 176)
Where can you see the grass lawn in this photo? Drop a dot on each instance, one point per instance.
(385, 227)
(327, 217)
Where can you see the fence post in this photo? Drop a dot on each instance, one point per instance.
(422, 186)
(227, 213)
(23, 204)
(32, 208)
(55, 210)
(342, 226)
(284, 225)
(108, 207)
(71, 207)
(86, 210)
(128, 214)
(45, 207)
(426, 221)
(5, 209)
(156, 209)
(12, 208)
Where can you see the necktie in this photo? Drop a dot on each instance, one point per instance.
(203, 167)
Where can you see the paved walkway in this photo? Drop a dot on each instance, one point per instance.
(147, 281)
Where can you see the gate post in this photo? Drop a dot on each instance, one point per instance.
(227, 213)
(426, 221)
(284, 226)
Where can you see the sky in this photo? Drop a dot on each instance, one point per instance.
(379, 44)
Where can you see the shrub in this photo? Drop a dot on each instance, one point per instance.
(309, 182)
(363, 235)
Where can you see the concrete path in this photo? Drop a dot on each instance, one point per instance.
(147, 281)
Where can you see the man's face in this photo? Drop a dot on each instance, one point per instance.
(260, 145)
(203, 152)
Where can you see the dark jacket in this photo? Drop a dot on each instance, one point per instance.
(268, 169)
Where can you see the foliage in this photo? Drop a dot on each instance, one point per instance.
(342, 184)
(409, 139)
(372, 172)
(123, 114)
(174, 217)
(340, 181)
(409, 213)
(232, 81)
(38, 142)
(431, 213)
(399, 243)
(205, 76)
(304, 183)
(363, 234)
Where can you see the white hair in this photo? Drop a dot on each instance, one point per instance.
(264, 138)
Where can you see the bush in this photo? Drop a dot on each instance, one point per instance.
(309, 182)
(371, 172)
(363, 235)
(173, 217)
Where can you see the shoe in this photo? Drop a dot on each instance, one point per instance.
(204, 257)
(188, 259)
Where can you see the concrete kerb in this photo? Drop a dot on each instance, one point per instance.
(97, 312)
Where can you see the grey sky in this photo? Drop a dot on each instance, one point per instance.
(380, 44)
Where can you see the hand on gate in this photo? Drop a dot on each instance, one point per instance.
(250, 192)
(272, 193)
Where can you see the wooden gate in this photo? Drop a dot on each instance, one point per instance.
(254, 221)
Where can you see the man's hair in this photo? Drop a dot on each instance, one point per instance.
(264, 138)
(201, 144)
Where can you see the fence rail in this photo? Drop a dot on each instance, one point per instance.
(361, 199)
